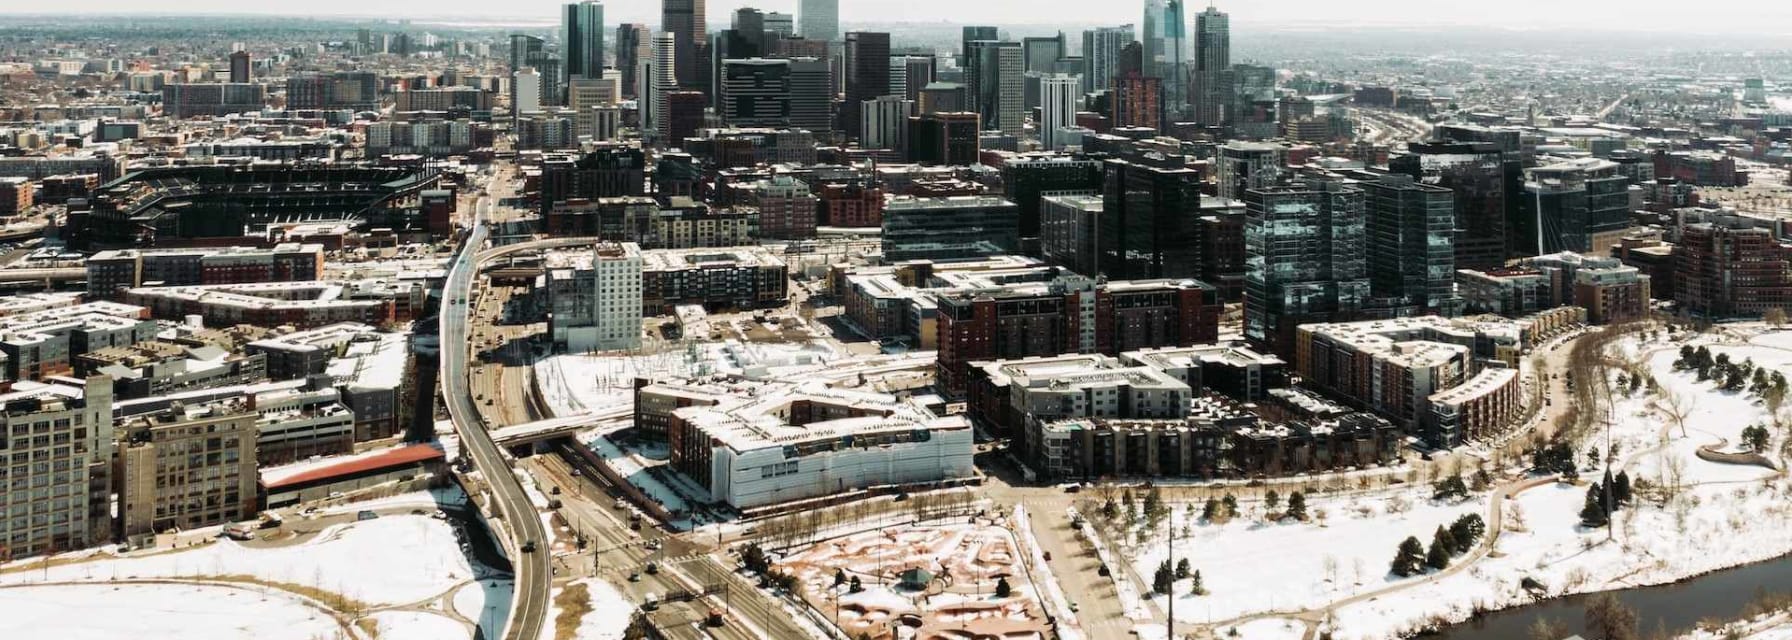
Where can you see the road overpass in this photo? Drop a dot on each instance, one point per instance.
(522, 524)
(554, 428)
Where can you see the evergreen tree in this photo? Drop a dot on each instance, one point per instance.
(1592, 512)
(1163, 580)
(1756, 437)
(1210, 510)
(1443, 538)
(1231, 505)
(1686, 357)
(1467, 531)
(1002, 588)
(1438, 557)
(1197, 589)
(856, 586)
(839, 577)
(1621, 488)
(1451, 487)
(1182, 569)
(1270, 500)
(1407, 558)
(1297, 506)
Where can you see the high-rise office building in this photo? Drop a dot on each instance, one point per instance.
(867, 75)
(526, 87)
(1057, 107)
(634, 47)
(1042, 54)
(811, 96)
(665, 81)
(1150, 222)
(526, 51)
(1580, 205)
(581, 40)
(1247, 165)
(819, 20)
(1477, 173)
(755, 93)
(1027, 181)
(1171, 62)
(995, 80)
(885, 123)
(1307, 259)
(239, 67)
(972, 34)
(688, 23)
(1411, 236)
(944, 138)
(918, 71)
(1212, 88)
(1101, 55)
(779, 25)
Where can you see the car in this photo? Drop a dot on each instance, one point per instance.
(653, 545)
(439, 515)
(653, 568)
(1073, 607)
(365, 515)
(529, 546)
(634, 576)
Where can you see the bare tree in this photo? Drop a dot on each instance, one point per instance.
(1678, 406)
(1610, 619)
(1775, 317)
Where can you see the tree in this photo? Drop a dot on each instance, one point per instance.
(1546, 629)
(1609, 619)
(839, 577)
(1678, 407)
(1621, 488)
(1164, 579)
(1231, 505)
(1756, 437)
(1775, 317)
(1592, 512)
(1197, 589)
(856, 586)
(1467, 531)
(1297, 506)
(1002, 588)
(1407, 557)
(1270, 500)
(1448, 488)
(1210, 510)
(1443, 545)
(1182, 569)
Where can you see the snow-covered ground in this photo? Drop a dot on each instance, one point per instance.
(609, 616)
(573, 384)
(354, 560)
(1725, 515)
(1250, 565)
(159, 612)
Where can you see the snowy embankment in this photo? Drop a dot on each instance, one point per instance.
(1713, 516)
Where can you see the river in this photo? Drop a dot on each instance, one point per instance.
(1677, 607)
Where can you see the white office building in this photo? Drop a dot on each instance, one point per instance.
(528, 91)
(595, 299)
(1058, 94)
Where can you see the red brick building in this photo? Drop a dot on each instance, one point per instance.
(852, 205)
(1046, 320)
(1726, 269)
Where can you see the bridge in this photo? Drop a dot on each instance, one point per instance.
(561, 427)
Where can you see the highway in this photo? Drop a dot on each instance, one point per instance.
(528, 613)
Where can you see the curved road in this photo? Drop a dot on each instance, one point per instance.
(529, 611)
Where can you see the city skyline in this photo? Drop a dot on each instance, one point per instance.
(1589, 15)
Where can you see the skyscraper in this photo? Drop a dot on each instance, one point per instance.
(995, 79)
(665, 81)
(755, 92)
(634, 46)
(687, 22)
(779, 25)
(582, 40)
(1150, 222)
(867, 75)
(972, 34)
(526, 51)
(526, 85)
(1306, 259)
(1057, 108)
(918, 72)
(239, 67)
(1213, 65)
(1411, 238)
(1478, 173)
(1101, 55)
(1580, 205)
(1172, 62)
(819, 20)
(811, 96)
(1043, 54)
(886, 123)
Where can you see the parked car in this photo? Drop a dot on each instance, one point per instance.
(365, 515)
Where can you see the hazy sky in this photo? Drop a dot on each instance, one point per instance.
(1753, 16)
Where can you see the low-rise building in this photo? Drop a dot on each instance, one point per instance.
(782, 442)
(45, 343)
(299, 304)
(187, 467)
(721, 278)
(59, 442)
